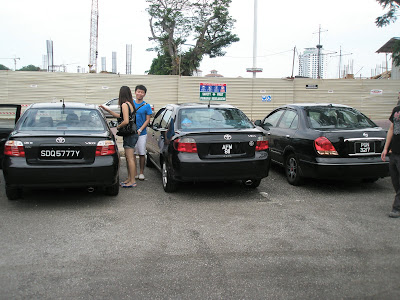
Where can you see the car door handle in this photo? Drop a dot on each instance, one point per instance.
(288, 136)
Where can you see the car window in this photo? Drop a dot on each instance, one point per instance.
(289, 120)
(331, 117)
(158, 118)
(165, 119)
(273, 118)
(212, 118)
(114, 102)
(62, 119)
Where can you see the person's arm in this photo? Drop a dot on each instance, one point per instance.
(114, 114)
(389, 137)
(144, 124)
(125, 112)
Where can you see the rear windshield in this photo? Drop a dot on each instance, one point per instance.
(62, 119)
(212, 118)
(337, 118)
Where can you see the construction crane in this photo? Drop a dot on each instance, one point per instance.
(15, 61)
(94, 22)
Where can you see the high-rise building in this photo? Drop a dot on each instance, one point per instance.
(308, 63)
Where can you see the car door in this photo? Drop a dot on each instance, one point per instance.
(9, 115)
(284, 134)
(269, 124)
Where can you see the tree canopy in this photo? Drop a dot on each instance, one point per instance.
(186, 30)
(3, 67)
(29, 68)
(391, 15)
(386, 19)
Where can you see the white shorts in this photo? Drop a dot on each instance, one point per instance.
(140, 147)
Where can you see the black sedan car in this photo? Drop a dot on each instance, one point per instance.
(59, 145)
(200, 142)
(326, 141)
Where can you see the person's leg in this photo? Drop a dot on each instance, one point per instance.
(394, 169)
(141, 151)
(130, 165)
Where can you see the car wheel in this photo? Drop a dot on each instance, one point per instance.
(251, 183)
(148, 161)
(292, 170)
(113, 189)
(13, 193)
(169, 184)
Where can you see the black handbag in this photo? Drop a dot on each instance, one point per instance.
(129, 128)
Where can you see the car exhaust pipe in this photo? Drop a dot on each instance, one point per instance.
(248, 182)
(90, 189)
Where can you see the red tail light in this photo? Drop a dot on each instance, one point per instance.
(14, 148)
(324, 146)
(185, 145)
(262, 143)
(105, 148)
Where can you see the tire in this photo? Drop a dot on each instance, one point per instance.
(113, 189)
(149, 163)
(169, 184)
(13, 193)
(251, 183)
(292, 170)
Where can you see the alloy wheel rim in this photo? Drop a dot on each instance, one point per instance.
(292, 168)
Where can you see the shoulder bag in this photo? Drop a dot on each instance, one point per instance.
(129, 128)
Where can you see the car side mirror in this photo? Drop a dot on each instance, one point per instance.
(257, 123)
(113, 124)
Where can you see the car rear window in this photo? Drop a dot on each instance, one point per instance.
(62, 119)
(331, 117)
(212, 118)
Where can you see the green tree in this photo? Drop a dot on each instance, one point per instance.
(386, 19)
(391, 15)
(3, 67)
(206, 24)
(29, 68)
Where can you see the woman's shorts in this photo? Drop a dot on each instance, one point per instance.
(130, 141)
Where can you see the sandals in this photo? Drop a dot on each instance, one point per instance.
(124, 185)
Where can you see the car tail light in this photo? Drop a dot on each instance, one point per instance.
(324, 146)
(14, 148)
(185, 145)
(105, 148)
(262, 143)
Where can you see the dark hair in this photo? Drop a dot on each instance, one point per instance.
(141, 87)
(125, 95)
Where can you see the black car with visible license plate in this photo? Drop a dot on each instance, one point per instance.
(201, 142)
(326, 141)
(60, 145)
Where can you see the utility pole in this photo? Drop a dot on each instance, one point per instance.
(254, 69)
(319, 47)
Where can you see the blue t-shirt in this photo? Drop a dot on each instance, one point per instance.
(141, 114)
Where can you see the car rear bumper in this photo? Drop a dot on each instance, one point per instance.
(345, 168)
(103, 172)
(189, 167)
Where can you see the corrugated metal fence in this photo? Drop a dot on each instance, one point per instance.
(374, 98)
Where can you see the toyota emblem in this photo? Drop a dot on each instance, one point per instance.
(227, 137)
(365, 134)
(60, 140)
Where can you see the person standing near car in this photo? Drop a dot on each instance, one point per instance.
(143, 115)
(393, 144)
(129, 142)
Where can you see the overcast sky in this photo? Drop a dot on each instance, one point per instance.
(25, 25)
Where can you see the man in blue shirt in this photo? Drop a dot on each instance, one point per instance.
(143, 115)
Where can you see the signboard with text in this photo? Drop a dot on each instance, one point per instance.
(213, 91)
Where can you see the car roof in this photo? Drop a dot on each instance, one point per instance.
(200, 105)
(315, 104)
(76, 105)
